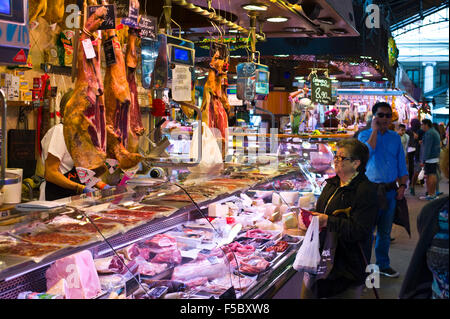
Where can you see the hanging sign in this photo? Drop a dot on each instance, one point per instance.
(110, 17)
(148, 27)
(110, 54)
(133, 14)
(321, 90)
(181, 83)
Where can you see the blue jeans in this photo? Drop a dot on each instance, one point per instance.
(384, 227)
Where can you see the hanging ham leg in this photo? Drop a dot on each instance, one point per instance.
(137, 129)
(215, 100)
(84, 115)
(118, 103)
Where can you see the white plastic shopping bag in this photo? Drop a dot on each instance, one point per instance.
(421, 174)
(211, 155)
(308, 256)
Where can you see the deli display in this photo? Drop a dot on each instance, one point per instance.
(157, 236)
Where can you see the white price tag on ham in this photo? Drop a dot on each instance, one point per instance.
(88, 49)
(181, 83)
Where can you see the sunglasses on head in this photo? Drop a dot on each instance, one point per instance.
(381, 115)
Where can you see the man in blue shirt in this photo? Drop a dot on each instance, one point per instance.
(386, 166)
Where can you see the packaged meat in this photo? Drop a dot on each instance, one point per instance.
(160, 243)
(220, 285)
(25, 249)
(110, 282)
(218, 210)
(253, 265)
(140, 266)
(59, 289)
(132, 251)
(195, 282)
(80, 274)
(172, 256)
(112, 264)
(304, 218)
(173, 286)
(56, 238)
(241, 250)
(258, 233)
(279, 247)
(202, 268)
(267, 255)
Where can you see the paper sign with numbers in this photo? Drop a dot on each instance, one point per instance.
(181, 83)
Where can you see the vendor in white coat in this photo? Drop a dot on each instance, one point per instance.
(61, 178)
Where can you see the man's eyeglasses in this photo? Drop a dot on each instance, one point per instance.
(342, 158)
(381, 115)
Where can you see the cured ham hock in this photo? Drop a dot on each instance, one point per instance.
(118, 104)
(84, 116)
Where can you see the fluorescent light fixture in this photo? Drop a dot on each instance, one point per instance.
(235, 56)
(281, 55)
(299, 77)
(366, 73)
(233, 31)
(385, 79)
(200, 78)
(358, 77)
(334, 81)
(365, 80)
(332, 78)
(277, 19)
(294, 29)
(254, 7)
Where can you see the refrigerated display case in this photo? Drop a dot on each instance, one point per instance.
(121, 228)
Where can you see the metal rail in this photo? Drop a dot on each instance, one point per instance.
(215, 17)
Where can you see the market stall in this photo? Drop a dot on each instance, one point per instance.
(198, 219)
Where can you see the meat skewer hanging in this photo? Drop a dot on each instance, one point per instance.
(84, 116)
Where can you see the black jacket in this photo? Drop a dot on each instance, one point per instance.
(418, 279)
(349, 266)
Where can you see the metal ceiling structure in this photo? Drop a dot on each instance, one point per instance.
(307, 18)
(403, 12)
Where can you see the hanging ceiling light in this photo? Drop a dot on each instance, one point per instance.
(277, 19)
(254, 7)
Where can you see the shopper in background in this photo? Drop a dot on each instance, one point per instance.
(61, 178)
(351, 192)
(403, 137)
(414, 167)
(386, 166)
(366, 127)
(430, 158)
(427, 275)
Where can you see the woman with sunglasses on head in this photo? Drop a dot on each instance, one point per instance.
(347, 207)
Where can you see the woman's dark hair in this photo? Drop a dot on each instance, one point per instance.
(377, 105)
(415, 125)
(358, 151)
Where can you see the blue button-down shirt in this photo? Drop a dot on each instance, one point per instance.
(387, 161)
